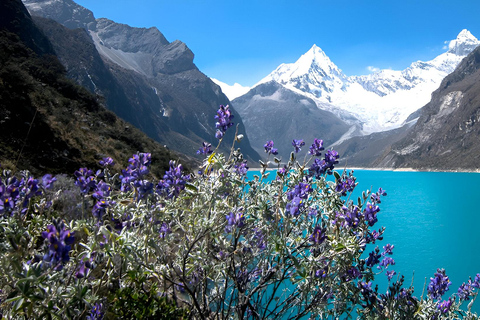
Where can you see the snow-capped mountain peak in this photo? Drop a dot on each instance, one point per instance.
(463, 44)
(313, 73)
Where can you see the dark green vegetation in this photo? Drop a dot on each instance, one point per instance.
(48, 123)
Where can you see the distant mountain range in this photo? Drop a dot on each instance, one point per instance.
(145, 79)
(385, 119)
(379, 107)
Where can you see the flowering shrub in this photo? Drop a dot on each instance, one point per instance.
(287, 244)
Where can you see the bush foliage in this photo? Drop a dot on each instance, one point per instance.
(286, 244)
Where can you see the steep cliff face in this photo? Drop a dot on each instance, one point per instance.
(447, 134)
(145, 79)
(48, 124)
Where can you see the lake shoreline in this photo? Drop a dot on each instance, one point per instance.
(392, 169)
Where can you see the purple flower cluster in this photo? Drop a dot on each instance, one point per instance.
(269, 148)
(224, 121)
(373, 258)
(173, 182)
(438, 285)
(15, 194)
(60, 240)
(297, 145)
(326, 165)
(137, 167)
(465, 291)
(235, 220)
(318, 235)
(444, 306)
(296, 196)
(345, 184)
(375, 235)
(352, 273)
(370, 213)
(97, 312)
(241, 168)
(316, 148)
(86, 180)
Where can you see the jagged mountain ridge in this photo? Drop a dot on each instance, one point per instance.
(447, 133)
(380, 101)
(166, 95)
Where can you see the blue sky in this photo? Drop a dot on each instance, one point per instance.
(244, 40)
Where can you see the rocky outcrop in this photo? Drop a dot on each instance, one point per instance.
(446, 136)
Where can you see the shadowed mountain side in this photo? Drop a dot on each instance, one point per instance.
(272, 112)
(144, 79)
(50, 124)
(446, 136)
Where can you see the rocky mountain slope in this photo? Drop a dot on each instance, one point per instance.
(447, 134)
(276, 113)
(145, 79)
(48, 124)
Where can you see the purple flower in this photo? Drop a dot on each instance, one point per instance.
(297, 144)
(370, 213)
(136, 169)
(97, 312)
(143, 188)
(345, 184)
(374, 236)
(387, 249)
(165, 230)
(259, 239)
(107, 161)
(316, 148)
(269, 148)
(351, 215)
(321, 273)
(445, 305)
(60, 240)
(241, 168)
(48, 180)
(224, 120)
(85, 180)
(465, 291)
(438, 285)
(373, 258)
(326, 165)
(236, 219)
(352, 273)
(390, 274)
(205, 149)
(318, 235)
(173, 182)
(387, 261)
(294, 206)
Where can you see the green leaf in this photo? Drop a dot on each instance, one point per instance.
(337, 176)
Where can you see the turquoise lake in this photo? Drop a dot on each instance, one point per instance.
(432, 219)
